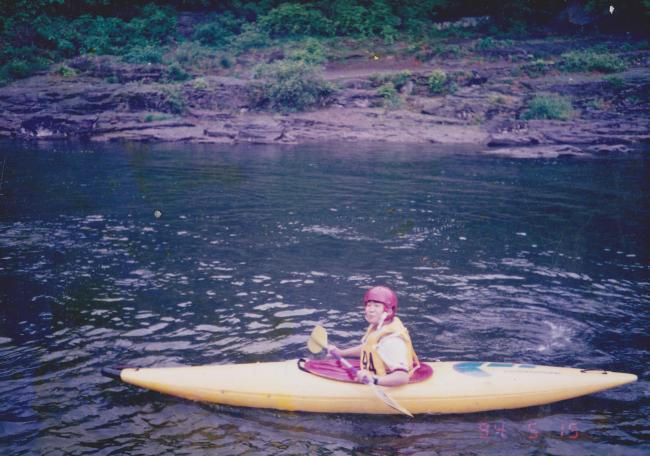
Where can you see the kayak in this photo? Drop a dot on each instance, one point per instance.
(453, 386)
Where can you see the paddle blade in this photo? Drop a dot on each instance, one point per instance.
(389, 401)
(317, 340)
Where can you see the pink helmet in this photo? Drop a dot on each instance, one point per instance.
(384, 295)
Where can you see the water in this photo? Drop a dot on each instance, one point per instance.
(539, 261)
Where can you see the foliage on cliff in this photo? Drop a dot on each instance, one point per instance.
(36, 33)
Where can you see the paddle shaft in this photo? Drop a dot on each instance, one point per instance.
(381, 394)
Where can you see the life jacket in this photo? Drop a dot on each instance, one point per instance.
(371, 360)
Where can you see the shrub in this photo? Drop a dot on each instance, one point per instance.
(376, 19)
(173, 101)
(157, 117)
(398, 80)
(155, 23)
(291, 19)
(292, 85)
(19, 68)
(189, 54)
(218, 30)
(485, 44)
(250, 37)
(200, 83)
(549, 106)
(66, 72)
(143, 54)
(390, 95)
(437, 81)
(537, 67)
(312, 52)
(349, 17)
(488, 43)
(592, 61)
(175, 72)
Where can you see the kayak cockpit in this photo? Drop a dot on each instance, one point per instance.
(332, 369)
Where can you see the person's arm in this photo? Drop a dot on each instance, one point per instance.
(395, 378)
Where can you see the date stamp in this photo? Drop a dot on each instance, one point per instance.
(498, 430)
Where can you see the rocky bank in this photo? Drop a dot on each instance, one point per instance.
(108, 100)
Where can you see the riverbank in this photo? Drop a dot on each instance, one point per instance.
(484, 94)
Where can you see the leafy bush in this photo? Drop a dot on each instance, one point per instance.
(200, 83)
(144, 54)
(488, 43)
(437, 82)
(485, 44)
(549, 106)
(250, 37)
(291, 19)
(66, 72)
(390, 95)
(398, 80)
(592, 61)
(537, 67)
(175, 72)
(155, 24)
(173, 101)
(189, 54)
(218, 30)
(50, 32)
(292, 85)
(19, 68)
(377, 19)
(312, 52)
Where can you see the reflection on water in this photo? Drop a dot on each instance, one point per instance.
(173, 255)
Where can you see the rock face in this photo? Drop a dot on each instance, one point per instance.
(110, 100)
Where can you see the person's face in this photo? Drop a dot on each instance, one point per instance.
(373, 312)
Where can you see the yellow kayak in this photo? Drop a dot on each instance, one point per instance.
(454, 387)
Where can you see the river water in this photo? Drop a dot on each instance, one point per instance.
(176, 254)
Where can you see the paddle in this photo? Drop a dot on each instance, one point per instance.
(318, 341)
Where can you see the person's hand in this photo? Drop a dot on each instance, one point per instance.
(365, 377)
(333, 351)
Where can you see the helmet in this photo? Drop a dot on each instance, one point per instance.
(384, 295)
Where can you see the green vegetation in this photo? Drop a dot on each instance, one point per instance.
(592, 60)
(549, 106)
(66, 72)
(537, 68)
(615, 82)
(218, 30)
(157, 117)
(310, 51)
(398, 80)
(291, 85)
(34, 34)
(438, 82)
(295, 19)
(173, 101)
(488, 43)
(390, 95)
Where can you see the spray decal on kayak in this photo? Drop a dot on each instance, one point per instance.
(471, 368)
(474, 368)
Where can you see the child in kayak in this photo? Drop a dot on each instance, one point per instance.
(385, 352)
